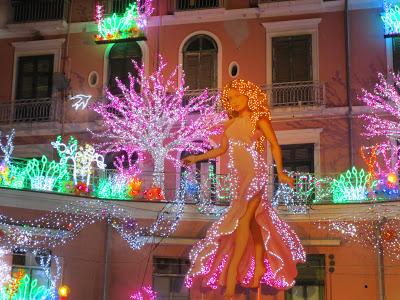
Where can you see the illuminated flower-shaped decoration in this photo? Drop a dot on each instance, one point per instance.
(383, 162)
(67, 187)
(154, 193)
(134, 187)
(82, 189)
(351, 186)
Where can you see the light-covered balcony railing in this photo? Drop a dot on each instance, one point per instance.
(185, 5)
(299, 93)
(30, 110)
(207, 190)
(39, 10)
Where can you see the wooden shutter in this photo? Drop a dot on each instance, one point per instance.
(281, 57)
(298, 158)
(35, 75)
(292, 59)
(207, 70)
(301, 58)
(191, 68)
(120, 62)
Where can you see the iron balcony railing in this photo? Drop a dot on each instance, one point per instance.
(299, 93)
(194, 93)
(29, 110)
(184, 5)
(40, 10)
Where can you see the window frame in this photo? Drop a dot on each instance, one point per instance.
(198, 53)
(308, 282)
(111, 84)
(291, 39)
(292, 28)
(172, 275)
(35, 72)
(219, 54)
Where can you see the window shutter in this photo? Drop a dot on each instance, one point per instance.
(191, 68)
(120, 62)
(35, 75)
(301, 58)
(207, 71)
(281, 57)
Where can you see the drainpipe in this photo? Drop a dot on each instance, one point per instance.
(380, 264)
(348, 82)
(64, 65)
(106, 261)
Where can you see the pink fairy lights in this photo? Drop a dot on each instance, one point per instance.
(155, 121)
(384, 100)
(145, 293)
(208, 247)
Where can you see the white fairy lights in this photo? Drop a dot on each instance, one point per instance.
(155, 120)
(8, 147)
(80, 101)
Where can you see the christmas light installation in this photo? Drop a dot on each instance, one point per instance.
(384, 101)
(113, 187)
(128, 26)
(45, 175)
(391, 19)
(81, 157)
(351, 186)
(374, 227)
(26, 289)
(155, 121)
(145, 293)
(64, 224)
(164, 225)
(80, 101)
(215, 189)
(383, 161)
(12, 175)
(7, 148)
(5, 268)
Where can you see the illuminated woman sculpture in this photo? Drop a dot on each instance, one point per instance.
(249, 245)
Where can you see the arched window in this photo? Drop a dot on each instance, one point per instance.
(120, 63)
(200, 62)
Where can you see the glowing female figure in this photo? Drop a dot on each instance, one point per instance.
(249, 245)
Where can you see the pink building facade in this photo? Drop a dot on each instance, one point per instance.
(312, 57)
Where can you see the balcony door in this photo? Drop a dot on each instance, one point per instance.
(34, 88)
(120, 64)
(292, 67)
(200, 62)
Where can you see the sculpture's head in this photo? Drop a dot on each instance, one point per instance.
(239, 95)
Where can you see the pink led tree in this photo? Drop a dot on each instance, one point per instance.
(158, 120)
(384, 100)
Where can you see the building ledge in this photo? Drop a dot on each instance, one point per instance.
(149, 210)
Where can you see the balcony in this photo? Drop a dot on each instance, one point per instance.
(188, 5)
(301, 93)
(29, 110)
(28, 11)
